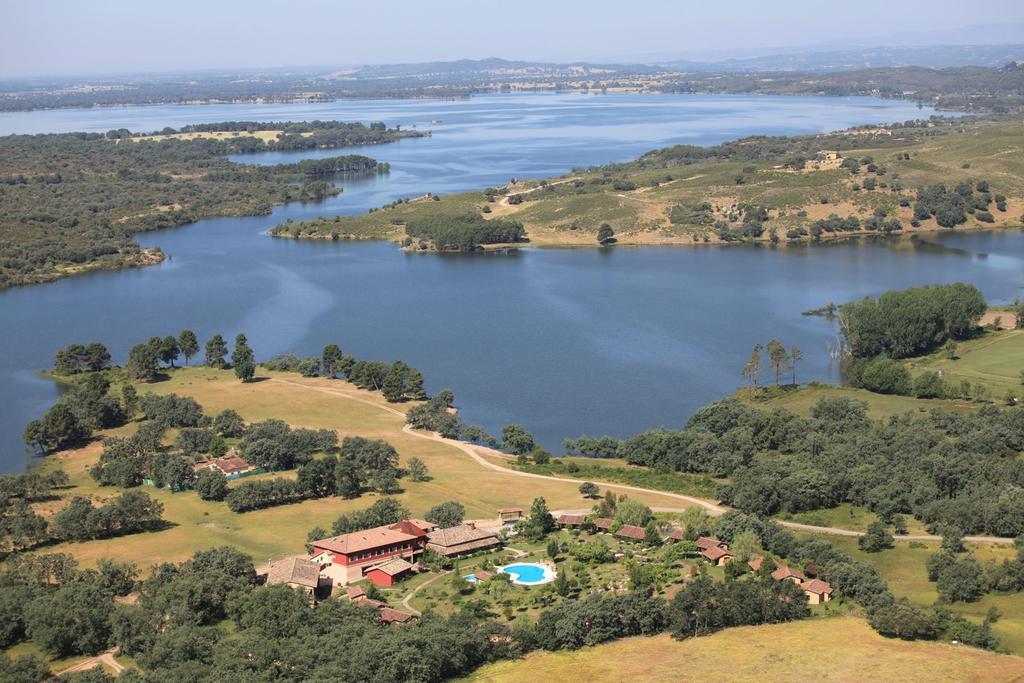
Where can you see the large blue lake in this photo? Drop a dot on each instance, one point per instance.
(564, 341)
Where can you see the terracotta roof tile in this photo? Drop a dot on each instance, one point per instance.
(296, 570)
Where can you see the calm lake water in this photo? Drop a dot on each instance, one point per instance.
(564, 341)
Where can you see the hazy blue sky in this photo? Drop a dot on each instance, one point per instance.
(79, 36)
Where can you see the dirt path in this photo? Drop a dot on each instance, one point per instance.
(713, 509)
(417, 589)
(102, 659)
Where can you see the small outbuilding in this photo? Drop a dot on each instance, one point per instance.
(508, 516)
(604, 524)
(677, 534)
(571, 521)
(705, 542)
(716, 555)
(817, 591)
(462, 539)
(788, 574)
(389, 615)
(633, 533)
(388, 573)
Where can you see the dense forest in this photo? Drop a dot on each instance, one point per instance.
(71, 202)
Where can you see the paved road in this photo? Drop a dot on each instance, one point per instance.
(713, 508)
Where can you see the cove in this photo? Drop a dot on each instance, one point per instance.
(564, 341)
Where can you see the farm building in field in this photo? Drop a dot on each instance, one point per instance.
(297, 572)
(462, 539)
(817, 591)
(604, 524)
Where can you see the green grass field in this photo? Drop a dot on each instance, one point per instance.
(276, 532)
(995, 359)
(880, 406)
(825, 649)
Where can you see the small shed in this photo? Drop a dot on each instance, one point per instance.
(785, 573)
(604, 524)
(388, 573)
(705, 542)
(389, 615)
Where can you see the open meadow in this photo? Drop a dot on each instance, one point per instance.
(825, 649)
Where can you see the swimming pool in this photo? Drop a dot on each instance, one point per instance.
(528, 573)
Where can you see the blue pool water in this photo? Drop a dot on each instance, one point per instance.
(528, 574)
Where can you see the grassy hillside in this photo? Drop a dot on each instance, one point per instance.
(834, 649)
(687, 195)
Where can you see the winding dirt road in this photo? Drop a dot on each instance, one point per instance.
(713, 509)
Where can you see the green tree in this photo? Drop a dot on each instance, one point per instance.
(169, 350)
(605, 234)
(633, 512)
(516, 440)
(540, 522)
(417, 470)
(394, 384)
(752, 370)
(216, 349)
(949, 350)
(777, 356)
(589, 490)
(129, 401)
(961, 581)
(877, 538)
(795, 356)
(415, 389)
(74, 619)
(652, 536)
(552, 549)
(189, 344)
(143, 362)
(331, 360)
(447, 514)
(243, 359)
(211, 484)
(745, 545)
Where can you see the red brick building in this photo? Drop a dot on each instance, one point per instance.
(360, 551)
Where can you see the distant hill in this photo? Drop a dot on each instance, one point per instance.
(492, 66)
(934, 56)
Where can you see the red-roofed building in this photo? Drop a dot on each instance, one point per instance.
(571, 521)
(677, 534)
(788, 574)
(231, 466)
(817, 591)
(389, 615)
(705, 542)
(388, 573)
(717, 555)
(359, 551)
(604, 523)
(633, 533)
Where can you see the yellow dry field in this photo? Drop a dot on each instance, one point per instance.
(280, 531)
(829, 649)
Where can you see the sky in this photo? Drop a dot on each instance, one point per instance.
(70, 37)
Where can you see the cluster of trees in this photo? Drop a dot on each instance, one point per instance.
(463, 232)
(129, 513)
(943, 468)
(909, 322)
(360, 464)
(86, 407)
(21, 526)
(960, 577)
(349, 163)
(951, 207)
(779, 360)
(886, 376)
(437, 415)
(592, 447)
(77, 358)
